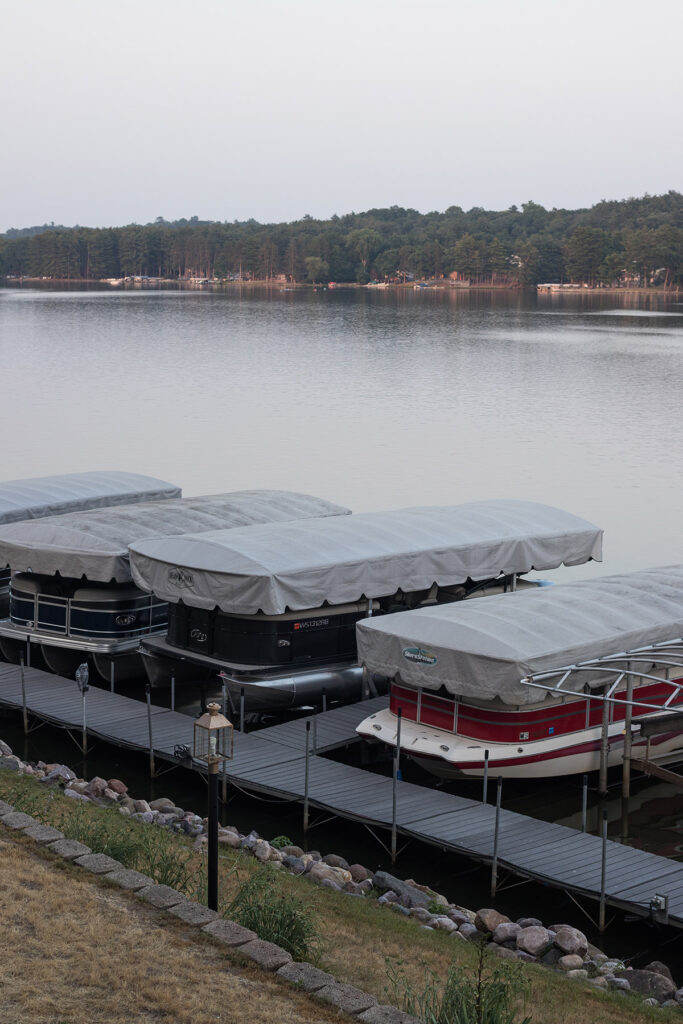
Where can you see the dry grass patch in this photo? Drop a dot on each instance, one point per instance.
(75, 951)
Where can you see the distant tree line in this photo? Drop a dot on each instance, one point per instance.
(634, 241)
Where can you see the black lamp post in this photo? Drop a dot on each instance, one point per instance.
(213, 743)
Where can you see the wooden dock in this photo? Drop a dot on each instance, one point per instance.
(272, 761)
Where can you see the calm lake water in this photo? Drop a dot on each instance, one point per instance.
(375, 400)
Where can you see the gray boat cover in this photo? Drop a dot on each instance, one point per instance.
(95, 544)
(484, 648)
(75, 492)
(292, 566)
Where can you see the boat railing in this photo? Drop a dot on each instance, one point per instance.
(70, 617)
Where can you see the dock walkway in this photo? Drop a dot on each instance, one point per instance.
(272, 762)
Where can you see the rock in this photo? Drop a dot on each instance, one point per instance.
(678, 996)
(141, 807)
(294, 865)
(552, 957)
(161, 804)
(503, 951)
(292, 851)
(459, 917)
(596, 954)
(334, 861)
(365, 887)
(229, 933)
(98, 863)
(77, 787)
(388, 897)
(192, 913)
(5, 749)
(261, 850)
(9, 764)
(570, 962)
(339, 876)
(110, 796)
(399, 909)
(386, 1015)
(649, 983)
(315, 854)
(534, 939)
(457, 935)
(60, 772)
(599, 982)
(578, 973)
(328, 883)
(526, 958)
(650, 1002)
(161, 896)
(468, 930)
(75, 795)
(69, 849)
(421, 914)
(618, 984)
(529, 922)
(145, 816)
(118, 786)
(228, 839)
(611, 966)
(506, 931)
(18, 820)
(659, 968)
(669, 1002)
(571, 940)
(274, 857)
(444, 924)
(487, 920)
(43, 833)
(128, 802)
(129, 879)
(359, 873)
(414, 897)
(96, 787)
(352, 888)
(305, 976)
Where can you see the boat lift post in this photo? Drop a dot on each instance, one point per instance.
(394, 781)
(173, 693)
(28, 650)
(82, 678)
(224, 705)
(485, 792)
(604, 747)
(626, 762)
(242, 709)
(494, 862)
(112, 672)
(308, 735)
(24, 710)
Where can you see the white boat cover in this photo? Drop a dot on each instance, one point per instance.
(75, 492)
(484, 648)
(292, 566)
(95, 544)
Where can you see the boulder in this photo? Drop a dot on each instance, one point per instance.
(502, 951)
(274, 857)
(611, 967)
(96, 787)
(141, 806)
(468, 930)
(487, 920)
(421, 914)
(529, 922)
(334, 861)
(294, 865)
(649, 983)
(359, 873)
(292, 851)
(413, 897)
(618, 984)
(600, 982)
(526, 958)
(328, 883)
(570, 962)
(162, 804)
(74, 795)
(320, 871)
(5, 749)
(118, 786)
(60, 772)
(678, 996)
(261, 850)
(552, 957)
(506, 931)
(365, 886)
(458, 916)
(659, 968)
(388, 897)
(534, 940)
(596, 954)
(578, 973)
(444, 924)
(571, 940)
(109, 796)
(398, 909)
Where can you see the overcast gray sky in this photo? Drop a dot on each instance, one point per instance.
(125, 111)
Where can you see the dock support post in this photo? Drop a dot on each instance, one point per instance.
(626, 766)
(242, 709)
(604, 748)
(173, 693)
(28, 650)
(112, 675)
(315, 735)
(494, 862)
(324, 700)
(485, 792)
(84, 728)
(584, 804)
(148, 690)
(24, 710)
(603, 874)
(308, 736)
(224, 780)
(365, 686)
(394, 782)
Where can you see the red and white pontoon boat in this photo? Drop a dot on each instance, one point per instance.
(543, 681)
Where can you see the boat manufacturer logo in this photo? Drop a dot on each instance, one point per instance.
(125, 620)
(196, 634)
(419, 655)
(180, 578)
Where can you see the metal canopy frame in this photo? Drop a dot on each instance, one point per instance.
(667, 655)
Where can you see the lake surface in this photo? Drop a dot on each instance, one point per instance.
(375, 399)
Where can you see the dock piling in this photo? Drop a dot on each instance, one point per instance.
(242, 709)
(394, 783)
(28, 650)
(604, 748)
(112, 675)
(173, 693)
(494, 862)
(148, 691)
(584, 804)
(626, 764)
(308, 736)
(485, 792)
(324, 700)
(24, 709)
(603, 874)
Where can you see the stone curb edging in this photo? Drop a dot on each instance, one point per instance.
(266, 955)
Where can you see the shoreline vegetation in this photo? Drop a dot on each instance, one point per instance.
(635, 243)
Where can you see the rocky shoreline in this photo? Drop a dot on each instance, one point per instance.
(558, 947)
